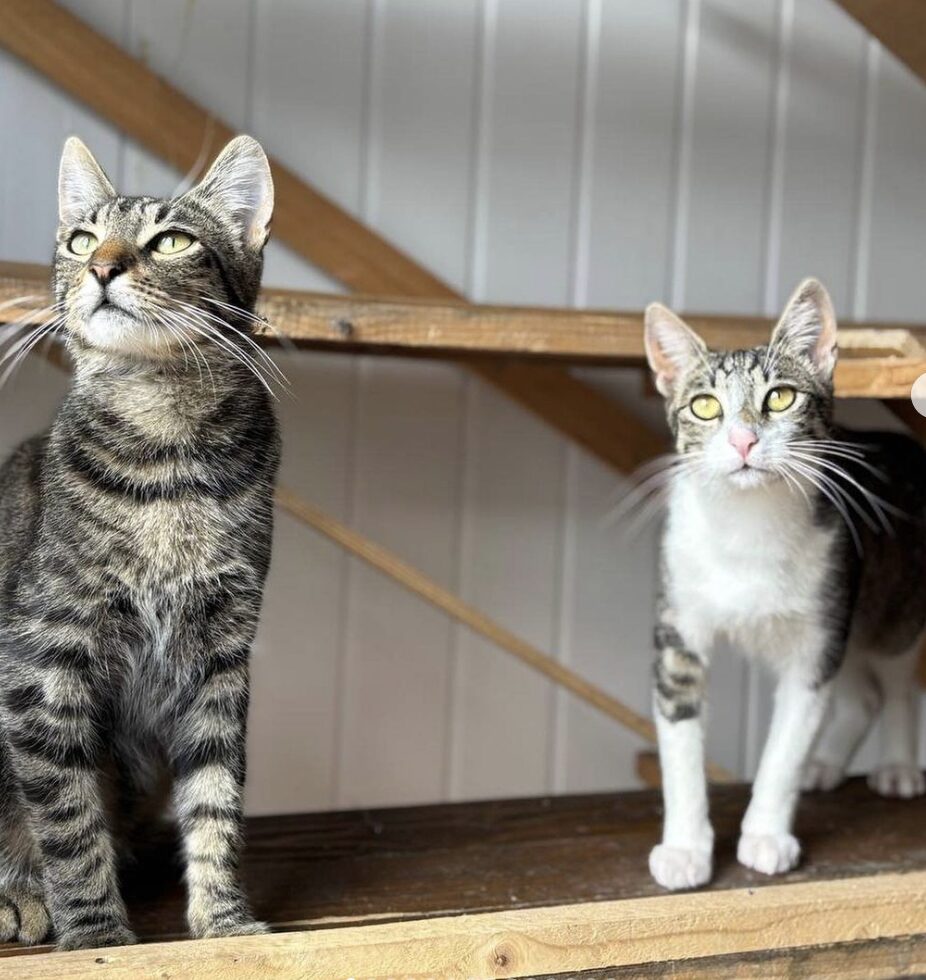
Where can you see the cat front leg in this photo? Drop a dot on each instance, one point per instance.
(49, 717)
(766, 843)
(207, 757)
(684, 859)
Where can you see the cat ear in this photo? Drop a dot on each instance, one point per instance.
(671, 345)
(82, 185)
(239, 185)
(808, 326)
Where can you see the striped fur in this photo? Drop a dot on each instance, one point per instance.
(134, 544)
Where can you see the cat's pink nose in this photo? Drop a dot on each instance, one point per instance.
(742, 439)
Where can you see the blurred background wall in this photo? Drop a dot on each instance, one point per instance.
(708, 153)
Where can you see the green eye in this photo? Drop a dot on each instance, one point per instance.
(172, 242)
(83, 243)
(779, 399)
(705, 407)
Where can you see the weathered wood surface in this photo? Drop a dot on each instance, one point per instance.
(575, 865)
(877, 360)
(408, 862)
(872, 959)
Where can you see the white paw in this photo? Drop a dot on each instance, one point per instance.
(899, 779)
(680, 867)
(822, 776)
(772, 854)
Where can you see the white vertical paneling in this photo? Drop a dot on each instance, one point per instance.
(635, 100)
(534, 103)
(609, 611)
(525, 168)
(292, 740)
(896, 286)
(424, 93)
(307, 103)
(392, 728)
(822, 140)
(731, 116)
(201, 48)
(511, 558)
(599, 152)
(418, 116)
(41, 117)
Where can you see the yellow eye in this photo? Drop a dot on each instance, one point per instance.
(779, 399)
(83, 243)
(172, 242)
(705, 407)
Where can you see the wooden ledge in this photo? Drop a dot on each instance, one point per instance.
(538, 887)
(877, 360)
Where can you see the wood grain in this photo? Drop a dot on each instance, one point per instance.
(527, 942)
(162, 119)
(900, 25)
(877, 360)
(871, 959)
(330, 870)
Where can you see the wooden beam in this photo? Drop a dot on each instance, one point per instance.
(877, 360)
(419, 584)
(528, 942)
(900, 25)
(866, 959)
(649, 770)
(162, 119)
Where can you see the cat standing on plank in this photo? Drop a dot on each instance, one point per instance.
(134, 544)
(803, 544)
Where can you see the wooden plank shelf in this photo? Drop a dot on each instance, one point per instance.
(538, 887)
(877, 360)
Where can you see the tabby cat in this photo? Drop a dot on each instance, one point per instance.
(803, 544)
(134, 544)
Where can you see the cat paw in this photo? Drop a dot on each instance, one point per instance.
(899, 780)
(245, 928)
(822, 776)
(96, 938)
(676, 868)
(772, 854)
(23, 917)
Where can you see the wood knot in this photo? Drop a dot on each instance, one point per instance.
(503, 956)
(345, 328)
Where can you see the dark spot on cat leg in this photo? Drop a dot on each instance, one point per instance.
(679, 677)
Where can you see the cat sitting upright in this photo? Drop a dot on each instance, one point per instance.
(804, 545)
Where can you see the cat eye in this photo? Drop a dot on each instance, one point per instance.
(705, 407)
(83, 243)
(779, 399)
(172, 242)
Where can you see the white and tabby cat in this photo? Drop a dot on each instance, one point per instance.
(801, 543)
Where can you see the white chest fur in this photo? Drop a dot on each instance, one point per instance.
(748, 565)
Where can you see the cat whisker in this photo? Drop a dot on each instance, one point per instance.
(218, 321)
(642, 493)
(832, 493)
(207, 328)
(200, 359)
(835, 456)
(255, 318)
(209, 333)
(15, 355)
(877, 504)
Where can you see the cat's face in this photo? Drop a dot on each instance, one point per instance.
(748, 417)
(147, 278)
